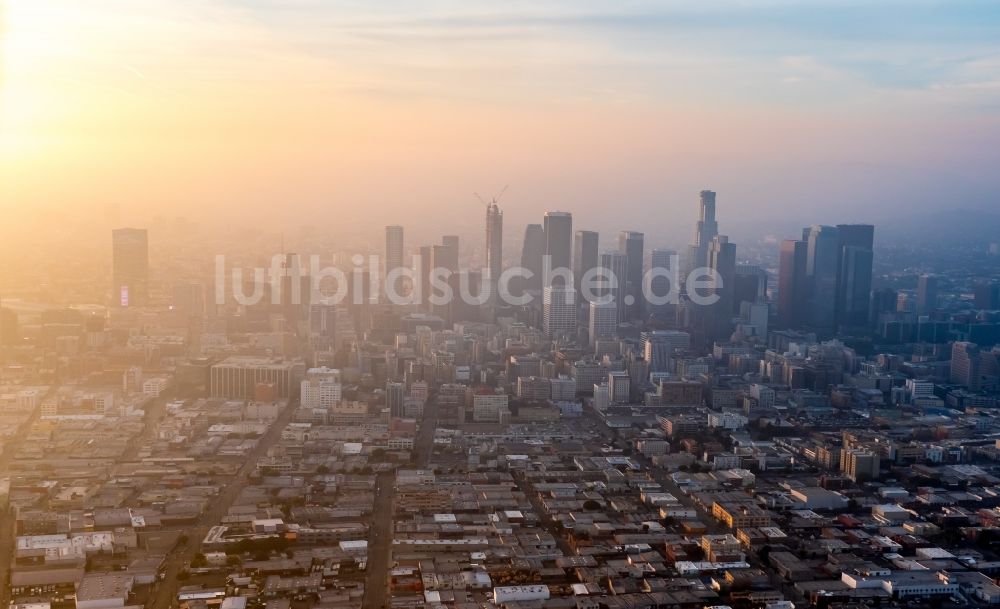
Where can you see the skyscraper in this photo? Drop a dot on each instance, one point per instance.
(658, 346)
(822, 264)
(792, 288)
(451, 242)
(558, 227)
(393, 248)
(927, 293)
(825, 280)
(705, 230)
(638, 373)
(584, 255)
(750, 286)
(603, 321)
(856, 285)
(559, 311)
(854, 274)
(619, 387)
(323, 318)
(722, 260)
(965, 362)
(531, 255)
(614, 264)
(444, 256)
(395, 399)
(130, 266)
(882, 301)
(295, 291)
(423, 273)
(460, 309)
(630, 243)
(661, 258)
(494, 241)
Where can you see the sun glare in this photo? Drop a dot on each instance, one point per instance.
(39, 41)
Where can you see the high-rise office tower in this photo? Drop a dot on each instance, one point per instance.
(793, 282)
(705, 231)
(603, 321)
(614, 264)
(882, 301)
(451, 242)
(658, 346)
(460, 309)
(927, 293)
(425, 260)
(584, 255)
(393, 248)
(638, 373)
(854, 274)
(360, 298)
(531, 255)
(662, 258)
(965, 364)
(619, 386)
(323, 315)
(130, 266)
(856, 286)
(395, 398)
(825, 280)
(722, 260)
(822, 264)
(750, 286)
(792, 288)
(559, 311)
(707, 228)
(558, 227)
(494, 241)
(630, 243)
(295, 291)
(444, 256)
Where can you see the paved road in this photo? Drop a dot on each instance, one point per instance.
(380, 534)
(380, 543)
(155, 410)
(547, 523)
(423, 445)
(166, 592)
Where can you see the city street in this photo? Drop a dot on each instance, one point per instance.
(380, 534)
(166, 592)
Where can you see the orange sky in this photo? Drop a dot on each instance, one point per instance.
(353, 116)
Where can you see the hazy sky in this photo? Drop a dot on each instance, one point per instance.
(351, 115)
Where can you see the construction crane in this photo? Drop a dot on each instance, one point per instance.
(495, 200)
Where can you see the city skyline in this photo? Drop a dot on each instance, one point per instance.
(547, 304)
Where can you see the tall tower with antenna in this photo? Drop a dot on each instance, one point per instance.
(494, 238)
